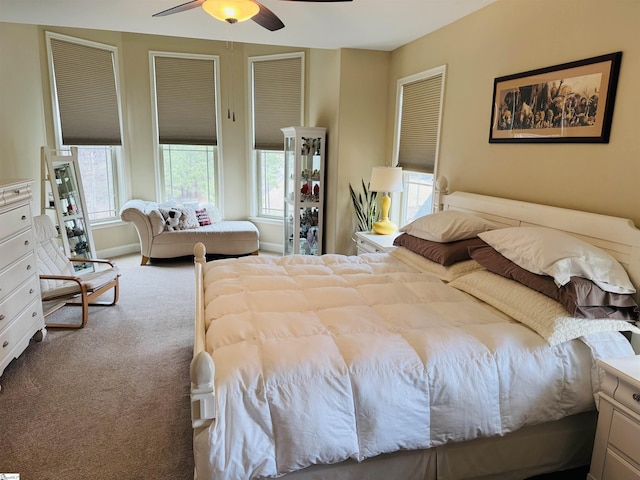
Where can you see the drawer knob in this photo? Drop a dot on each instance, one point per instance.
(24, 217)
(636, 397)
(26, 242)
(28, 267)
(33, 314)
(2, 316)
(31, 290)
(5, 344)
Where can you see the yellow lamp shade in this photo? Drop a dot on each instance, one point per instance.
(231, 11)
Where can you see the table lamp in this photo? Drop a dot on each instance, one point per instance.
(386, 180)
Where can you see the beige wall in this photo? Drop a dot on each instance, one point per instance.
(22, 128)
(512, 36)
(352, 93)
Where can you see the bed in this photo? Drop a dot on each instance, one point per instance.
(386, 366)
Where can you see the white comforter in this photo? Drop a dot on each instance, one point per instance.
(321, 359)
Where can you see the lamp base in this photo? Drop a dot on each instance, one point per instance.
(384, 227)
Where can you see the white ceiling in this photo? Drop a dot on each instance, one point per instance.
(365, 24)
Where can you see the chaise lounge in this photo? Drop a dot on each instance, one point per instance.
(159, 239)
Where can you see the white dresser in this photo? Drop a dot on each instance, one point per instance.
(21, 315)
(616, 451)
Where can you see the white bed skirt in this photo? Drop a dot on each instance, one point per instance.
(531, 451)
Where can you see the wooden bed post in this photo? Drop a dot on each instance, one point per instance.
(203, 407)
(202, 368)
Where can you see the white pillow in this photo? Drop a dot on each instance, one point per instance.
(214, 213)
(448, 226)
(542, 314)
(545, 251)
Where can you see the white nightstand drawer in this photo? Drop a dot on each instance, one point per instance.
(616, 468)
(624, 435)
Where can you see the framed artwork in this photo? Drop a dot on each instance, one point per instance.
(572, 102)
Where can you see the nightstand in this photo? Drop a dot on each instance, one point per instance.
(373, 243)
(616, 451)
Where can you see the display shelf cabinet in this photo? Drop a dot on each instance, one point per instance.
(304, 154)
(63, 199)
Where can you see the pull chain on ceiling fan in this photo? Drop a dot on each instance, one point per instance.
(234, 11)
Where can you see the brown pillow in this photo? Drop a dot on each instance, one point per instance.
(443, 253)
(581, 297)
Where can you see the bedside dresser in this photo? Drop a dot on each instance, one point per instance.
(616, 451)
(21, 315)
(374, 243)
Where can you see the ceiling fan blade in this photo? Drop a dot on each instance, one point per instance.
(179, 8)
(267, 19)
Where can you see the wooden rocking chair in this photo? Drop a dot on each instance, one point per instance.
(59, 283)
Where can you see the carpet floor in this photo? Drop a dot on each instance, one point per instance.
(109, 401)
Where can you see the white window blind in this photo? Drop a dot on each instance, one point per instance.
(277, 100)
(420, 124)
(186, 101)
(87, 99)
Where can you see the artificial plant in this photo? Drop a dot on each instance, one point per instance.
(366, 207)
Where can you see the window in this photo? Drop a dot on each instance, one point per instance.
(271, 181)
(186, 111)
(86, 105)
(276, 102)
(98, 167)
(416, 195)
(189, 173)
(419, 114)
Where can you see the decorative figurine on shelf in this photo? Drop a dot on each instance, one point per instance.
(312, 237)
(316, 191)
(80, 248)
(310, 146)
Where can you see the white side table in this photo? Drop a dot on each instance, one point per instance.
(616, 451)
(373, 243)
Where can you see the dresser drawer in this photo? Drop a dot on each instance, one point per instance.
(624, 435)
(616, 468)
(14, 221)
(17, 273)
(16, 194)
(15, 247)
(19, 298)
(25, 323)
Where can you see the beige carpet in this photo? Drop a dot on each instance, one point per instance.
(110, 401)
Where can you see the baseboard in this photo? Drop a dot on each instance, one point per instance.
(119, 251)
(271, 247)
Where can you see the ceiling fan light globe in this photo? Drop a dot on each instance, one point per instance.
(231, 11)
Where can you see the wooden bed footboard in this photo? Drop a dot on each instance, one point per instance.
(202, 367)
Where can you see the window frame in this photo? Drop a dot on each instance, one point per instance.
(424, 75)
(254, 166)
(120, 182)
(158, 161)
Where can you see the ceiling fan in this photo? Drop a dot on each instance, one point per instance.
(233, 11)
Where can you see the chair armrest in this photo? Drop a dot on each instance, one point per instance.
(78, 280)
